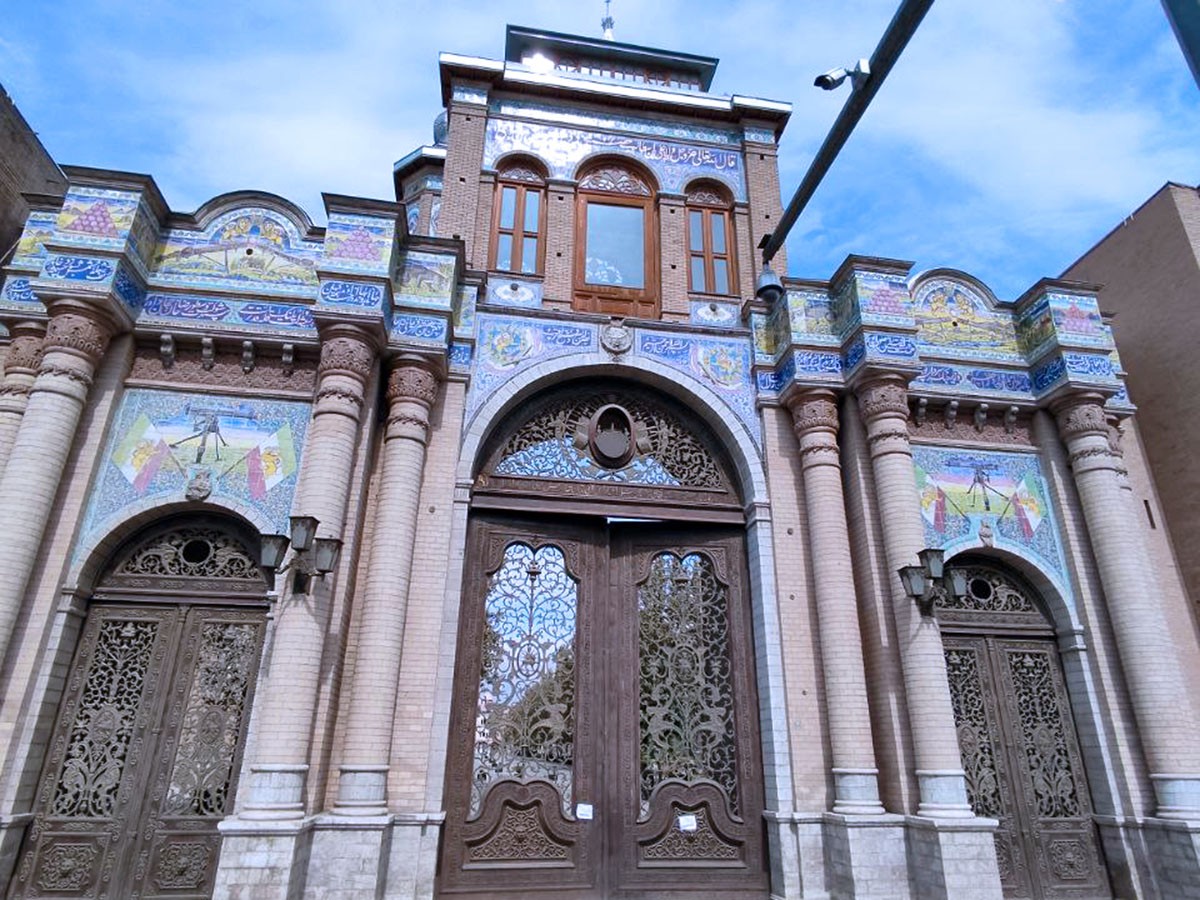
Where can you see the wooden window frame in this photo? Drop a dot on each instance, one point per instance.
(644, 302)
(708, 210)
(519, 235)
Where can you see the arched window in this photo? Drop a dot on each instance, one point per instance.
(710, 240)
(616, 258)
(518, 219)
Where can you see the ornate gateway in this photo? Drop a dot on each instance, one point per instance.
(604, 732)
(146, 748)
(1017, 738)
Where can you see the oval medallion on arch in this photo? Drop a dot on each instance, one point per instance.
(581, 447)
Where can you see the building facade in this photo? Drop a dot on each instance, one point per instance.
(502, 541)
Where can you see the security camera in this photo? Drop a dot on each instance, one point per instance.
(831, 79)
(834, 77)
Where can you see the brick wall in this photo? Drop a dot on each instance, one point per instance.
(25, 166)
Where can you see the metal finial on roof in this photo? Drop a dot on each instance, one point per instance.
(607, 22)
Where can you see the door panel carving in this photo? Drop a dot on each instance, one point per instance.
(1017, 739)
(644, 634)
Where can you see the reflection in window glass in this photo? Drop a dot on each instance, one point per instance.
(531, 211)
(508, 207)
(720, 277)
(696, 230)
(698, 274)
(718, 233)
(615, 248)
(504, 252)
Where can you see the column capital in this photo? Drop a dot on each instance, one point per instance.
(412, 388)
(25, 352)
(77, 328)
(1081, 414)
(814, 409)
(883, 397)
(347, 350)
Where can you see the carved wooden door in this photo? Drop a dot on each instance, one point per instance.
(1023, 764)
(144, 754)
(604, 736)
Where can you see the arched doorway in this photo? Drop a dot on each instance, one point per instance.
(604, 728)
(147, 743)
(1017, 736)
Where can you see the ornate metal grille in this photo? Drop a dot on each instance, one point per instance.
(212, 720)
(191, 553)
(687, 727)
(975, 739)
(988, 591)
(1043, 740)
(553, 443)
(525, 718)
(615, 180)
(98, 739)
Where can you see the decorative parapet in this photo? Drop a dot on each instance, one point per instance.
(943, 330)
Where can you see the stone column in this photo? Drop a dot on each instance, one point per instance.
(76, 338)
(279, 772)
(1161, 704)
(942, 784)
(362, 786)
(855, 776)
(20, 369)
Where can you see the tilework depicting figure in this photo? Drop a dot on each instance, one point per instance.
(506, 344)
(166, 446)
(1063, 319)
(956, 321)
(873, 298)
(972, 498)
(425, 279)
(722, 364)
(466, 299)
(250, 248)
(563, 149)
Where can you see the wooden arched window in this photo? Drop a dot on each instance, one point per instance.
(518, 219)
(710, 240)
(616, 254)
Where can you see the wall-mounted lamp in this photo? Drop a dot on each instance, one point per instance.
(920, 582)
(311, 555)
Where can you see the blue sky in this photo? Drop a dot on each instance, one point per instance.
(1009, 138)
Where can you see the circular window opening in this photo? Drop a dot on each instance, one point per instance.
(196, 551)
(981, 589)
(611, 436)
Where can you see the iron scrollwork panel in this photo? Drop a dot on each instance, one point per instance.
(204, 727)
(1067, 852)
(688, 798)
(522, 717)
(989, 782)
(87, 796)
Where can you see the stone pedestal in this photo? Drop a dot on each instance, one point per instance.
(263, 860)
(953, 859)
(866, 857)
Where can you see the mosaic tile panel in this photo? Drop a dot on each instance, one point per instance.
(128, 289)
(464, 310)
(506, 344)
(31, 250)
(515, 292)
(993, 498)
(359, 243)
(416, 327)
(262, 316)
(360, 296)
(723, 364)
(956, 321)
(562, 149)
(812, 314)
(966, 379)
(91, 270)
(96, 217)
(591, 119)
(882, 299)
(250, 248)
(18, 294)
(164, 446)
(425, 279)
(708, 312)
(460, 355)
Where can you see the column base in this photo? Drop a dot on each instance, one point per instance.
(866, 857)
(1178, 796)
(412, 861)
(943, 795)
(275, 792)
(263, 860)
(796, 851)
(349, 857)
(1173, 850)
(362, 791)
(856, 792)
(952, 858)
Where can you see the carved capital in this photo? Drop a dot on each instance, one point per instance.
(815, 411)
(411, 382)
(883, 398)
(25, 352)
(346, 354)
(1082, 415)
(78, 333)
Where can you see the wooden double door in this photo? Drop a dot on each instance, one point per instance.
(145, 752)
(604, 735)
